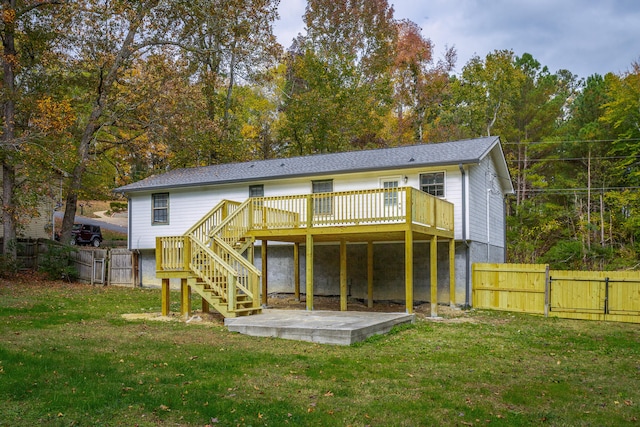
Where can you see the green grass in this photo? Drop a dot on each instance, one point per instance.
(68, 358)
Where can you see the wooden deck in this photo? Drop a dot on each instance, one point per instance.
(210, 254)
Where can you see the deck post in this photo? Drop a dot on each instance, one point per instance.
(205, 306)
(433, 254)
(309, 272)
(263, 255)
(370, 274)
(186, 253)
(296, 270)
(452, 273)
(408, 270)
(166, 292)
(185, 298)
(343, 275)
(251, 255)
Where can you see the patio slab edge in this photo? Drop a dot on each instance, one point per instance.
(323, 327)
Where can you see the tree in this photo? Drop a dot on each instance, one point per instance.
(226, 42)
(108, 37)
(26, 31)
(339, 88)
(621, 113)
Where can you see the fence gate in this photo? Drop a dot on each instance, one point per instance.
(106, 266)
(91, 264)
(121, 268)
(595, 295)
(589, 295)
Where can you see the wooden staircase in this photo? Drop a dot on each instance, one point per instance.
(211, 255)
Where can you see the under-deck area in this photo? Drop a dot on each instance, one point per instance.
(216, 256)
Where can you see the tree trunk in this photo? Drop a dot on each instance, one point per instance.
(9, 61)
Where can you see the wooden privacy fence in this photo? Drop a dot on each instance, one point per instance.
(106, 266)
(534, 288)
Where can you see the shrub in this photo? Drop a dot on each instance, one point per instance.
(118, 207)
(56, 264)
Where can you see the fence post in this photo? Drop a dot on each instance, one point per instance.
(606, 295)
(109, 271)
(547, 290)
(93, 268)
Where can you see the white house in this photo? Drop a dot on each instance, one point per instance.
(469, 177)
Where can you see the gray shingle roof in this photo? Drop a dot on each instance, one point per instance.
(446, 153)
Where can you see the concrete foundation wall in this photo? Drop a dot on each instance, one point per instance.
(388, 264)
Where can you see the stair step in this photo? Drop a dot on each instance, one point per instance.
(247, 310)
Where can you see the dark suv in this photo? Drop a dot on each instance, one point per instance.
(85, 234)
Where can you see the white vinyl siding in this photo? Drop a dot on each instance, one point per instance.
(486, 225)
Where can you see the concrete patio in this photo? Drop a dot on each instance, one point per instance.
(324, 327)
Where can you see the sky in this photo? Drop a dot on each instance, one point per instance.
(583, 36)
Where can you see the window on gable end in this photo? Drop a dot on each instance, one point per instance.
(160, 209)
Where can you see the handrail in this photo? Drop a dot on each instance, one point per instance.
(360, 207)
(233, 217)
(212, 219)
(232, 228)
(228, 270)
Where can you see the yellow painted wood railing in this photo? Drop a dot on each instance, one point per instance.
(212, 219)
(362, 207)
(170, 253)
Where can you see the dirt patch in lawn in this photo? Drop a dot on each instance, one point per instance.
(332, 303)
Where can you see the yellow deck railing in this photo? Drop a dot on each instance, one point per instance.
(380, 206)
(212, 219)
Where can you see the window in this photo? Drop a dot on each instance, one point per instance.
(322, 205)
(390, 195)
(160, 209)
(256, 190)
(432, 183)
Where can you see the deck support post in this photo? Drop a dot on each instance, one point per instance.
(205, 306)
(185, 298)
(265, 284)
(433, 255)
(408, 270)
(370, 274)
(166, 292)
(343, 275)
(309, 271)
(296, 270)
(452, 273)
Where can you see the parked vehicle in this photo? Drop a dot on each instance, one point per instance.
(85, 234)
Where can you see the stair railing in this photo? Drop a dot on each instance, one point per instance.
(224, 237)
(201, 229)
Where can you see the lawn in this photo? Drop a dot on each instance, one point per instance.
(69, 358)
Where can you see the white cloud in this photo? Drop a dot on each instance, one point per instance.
(585, 37)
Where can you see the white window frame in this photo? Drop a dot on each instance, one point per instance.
(435, 185)
(157, 209)
(391, 198)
